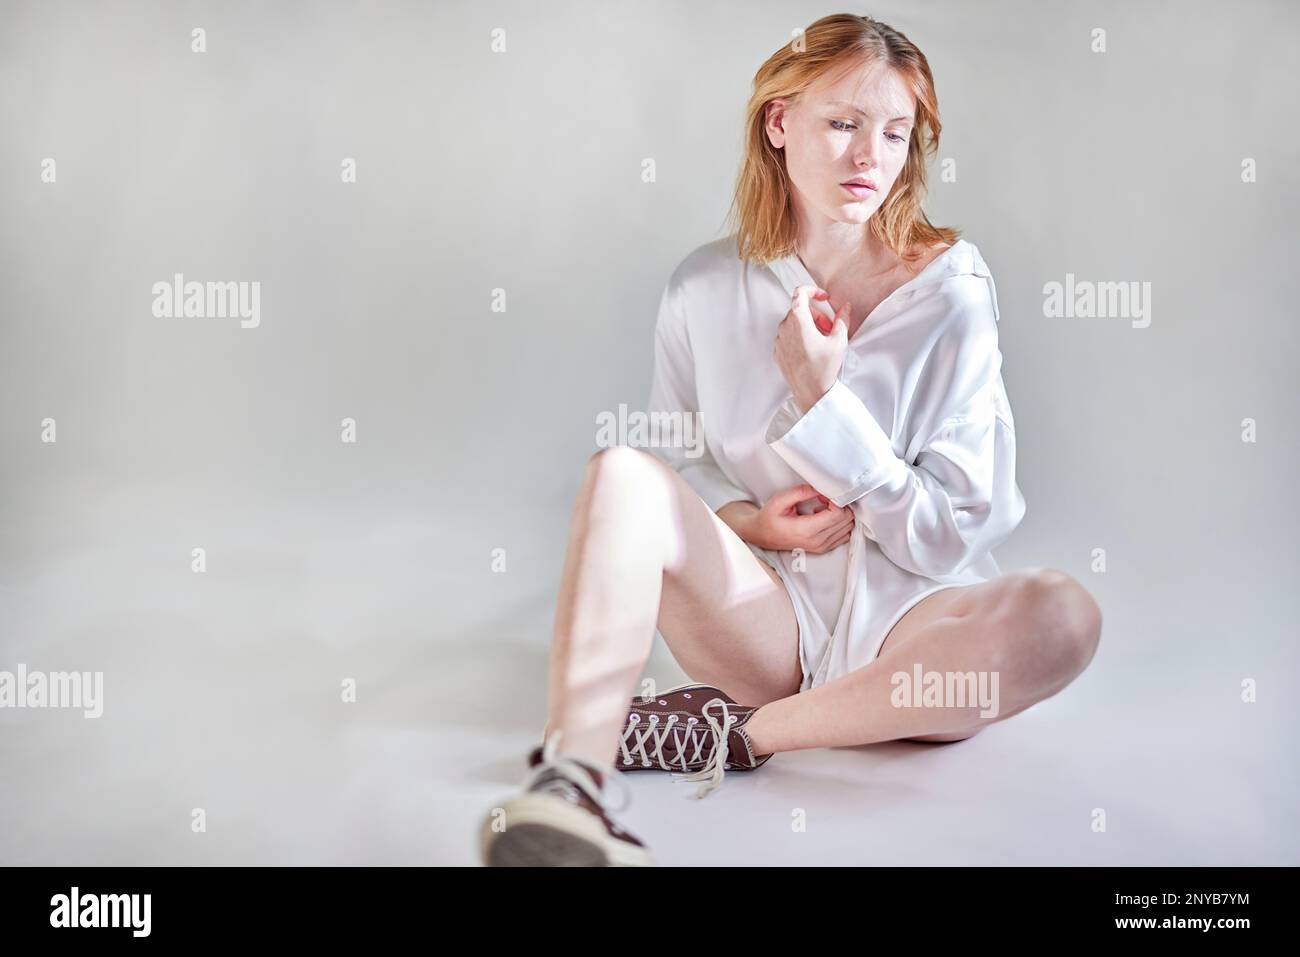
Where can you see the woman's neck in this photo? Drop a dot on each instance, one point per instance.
(836, 252)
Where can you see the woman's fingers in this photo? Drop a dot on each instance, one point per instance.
(828, 526)
(838, 530)
(799, 300)
(831, 527)
(833, 533)
(842, 539)
(813, 292)
(829, 517)
(790, 497)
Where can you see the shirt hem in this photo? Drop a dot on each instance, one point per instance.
(800, 615)
(903, 610)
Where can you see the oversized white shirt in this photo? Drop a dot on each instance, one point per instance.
(916, 435)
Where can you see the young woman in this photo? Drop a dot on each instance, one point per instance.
(859, 466)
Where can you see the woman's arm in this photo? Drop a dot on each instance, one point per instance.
(777, 524)
(958, 499)
(672, 392)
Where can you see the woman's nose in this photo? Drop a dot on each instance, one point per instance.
(865, 155)
(866, 163)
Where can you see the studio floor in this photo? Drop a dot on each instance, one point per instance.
(222, 693)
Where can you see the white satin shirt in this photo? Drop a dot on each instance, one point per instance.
(916, 435)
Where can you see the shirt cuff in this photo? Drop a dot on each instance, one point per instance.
(836, 445)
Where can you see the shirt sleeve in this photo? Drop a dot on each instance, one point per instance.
(672, 392)
(957, 499)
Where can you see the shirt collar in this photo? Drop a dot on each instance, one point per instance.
(962, 258)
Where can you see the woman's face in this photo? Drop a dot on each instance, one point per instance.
(838, 130)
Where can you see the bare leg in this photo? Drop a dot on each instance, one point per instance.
(643, 550)
(1037, 628)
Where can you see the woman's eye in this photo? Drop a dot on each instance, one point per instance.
(895, 138)
(842, 125)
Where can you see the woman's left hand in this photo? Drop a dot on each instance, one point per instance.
(809, 351)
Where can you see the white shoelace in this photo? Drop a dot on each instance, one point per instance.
(575, 773)
(712, 773)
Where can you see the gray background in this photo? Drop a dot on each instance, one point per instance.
(521, 171)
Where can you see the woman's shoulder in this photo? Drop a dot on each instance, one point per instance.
(922, 256)
(715, 259)
(961, 255)
(957, 288)
(697, 281)
(710, 273)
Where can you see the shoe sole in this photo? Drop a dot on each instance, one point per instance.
(547, 832)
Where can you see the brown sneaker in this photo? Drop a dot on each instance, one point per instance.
(681, 729)
(559, 819)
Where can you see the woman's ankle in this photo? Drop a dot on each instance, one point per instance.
(756, 731)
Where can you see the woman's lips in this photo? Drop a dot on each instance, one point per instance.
(859, 191)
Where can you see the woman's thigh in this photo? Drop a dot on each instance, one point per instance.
(724, 612)
(983, 598)
(947, 602)
(997, 596)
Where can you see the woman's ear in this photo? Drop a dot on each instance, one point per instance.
(774, 122)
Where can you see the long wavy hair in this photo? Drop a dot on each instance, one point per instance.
(766, 227)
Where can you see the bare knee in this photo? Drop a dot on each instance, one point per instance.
(628, 468)
(1054, 624)
(621, 458)
(634, 490)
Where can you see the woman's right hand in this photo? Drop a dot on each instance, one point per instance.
(778, 525)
